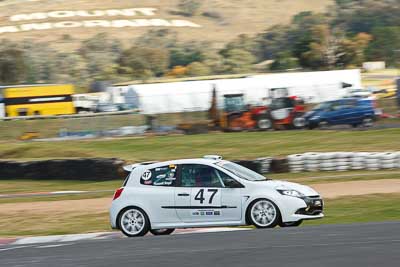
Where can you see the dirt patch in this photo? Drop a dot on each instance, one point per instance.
(357, 188)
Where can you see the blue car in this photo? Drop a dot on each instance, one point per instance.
(347, 111)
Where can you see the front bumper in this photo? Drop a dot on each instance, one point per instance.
(315, 206)
(306, 208)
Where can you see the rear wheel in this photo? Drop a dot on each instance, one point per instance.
(290, 224)
(299, 122)
(264, 123)
(263, 213)
(367, 122)
(133, 221)
(162, 231)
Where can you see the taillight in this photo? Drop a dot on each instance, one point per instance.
(118, 193)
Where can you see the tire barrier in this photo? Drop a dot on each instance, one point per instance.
(343, 161)
(95, 169)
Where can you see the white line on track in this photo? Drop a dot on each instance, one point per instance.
(12, 248)
(54, 245)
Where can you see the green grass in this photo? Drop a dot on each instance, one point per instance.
(30, 186)
(369, 208)
(56, 198)
(243, 145)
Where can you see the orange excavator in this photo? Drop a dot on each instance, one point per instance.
(236, 115)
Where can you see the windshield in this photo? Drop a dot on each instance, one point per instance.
(323, 106)
(241, 171)
(280, 103)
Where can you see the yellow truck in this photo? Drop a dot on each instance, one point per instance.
(38, 100)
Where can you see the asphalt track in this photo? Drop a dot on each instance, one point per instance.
(371, 244)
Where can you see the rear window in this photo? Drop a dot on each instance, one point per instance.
(160, 176)
(126, 180)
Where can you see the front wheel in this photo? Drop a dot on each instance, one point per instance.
(290, 224)
(133, 222)
(263, 213)
(162, 231)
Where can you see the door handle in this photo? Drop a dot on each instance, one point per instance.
(183, 195)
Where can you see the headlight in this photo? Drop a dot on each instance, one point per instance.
(291, 193)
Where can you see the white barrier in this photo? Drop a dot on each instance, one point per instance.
(343, 161)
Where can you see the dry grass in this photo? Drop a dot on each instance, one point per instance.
(244, 16)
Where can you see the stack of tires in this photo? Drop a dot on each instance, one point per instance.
(312, 161)
(328, 161)
(389, 160)
(265, 164)
(296, 163)
(359, 160)
(343, 161)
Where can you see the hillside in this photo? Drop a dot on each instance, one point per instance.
(66, 23)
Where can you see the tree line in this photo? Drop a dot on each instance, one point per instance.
(349, 33)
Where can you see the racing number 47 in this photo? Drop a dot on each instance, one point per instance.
(200, 195)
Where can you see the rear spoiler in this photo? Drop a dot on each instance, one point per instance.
(130, 167)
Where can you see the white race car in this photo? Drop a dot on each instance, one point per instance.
(159, 197)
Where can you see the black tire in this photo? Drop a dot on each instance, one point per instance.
(250, 219)
(264, 123)
(162, 231)
(299, 122)
(323, 125)
(290, 224)
(367, 122)
(124, 229)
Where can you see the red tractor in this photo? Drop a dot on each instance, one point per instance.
(236, 115)
(287, 112)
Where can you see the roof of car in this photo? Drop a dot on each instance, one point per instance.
(150, 165)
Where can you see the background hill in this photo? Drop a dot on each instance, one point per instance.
(221, 20)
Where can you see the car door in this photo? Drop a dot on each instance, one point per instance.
(334, 115)
(202, 197)
(350, 112)
(198, 197)
(231, 197)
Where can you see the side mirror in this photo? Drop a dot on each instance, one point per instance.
(232, 183)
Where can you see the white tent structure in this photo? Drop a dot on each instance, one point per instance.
(184, 96)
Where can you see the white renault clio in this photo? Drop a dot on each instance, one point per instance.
(159, 197)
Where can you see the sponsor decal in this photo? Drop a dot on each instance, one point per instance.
(146, 175)
(161, 176)
(206, 213)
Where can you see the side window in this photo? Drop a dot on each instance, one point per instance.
(228, 181)
(161, 176)
(197, 175)
(350, 103)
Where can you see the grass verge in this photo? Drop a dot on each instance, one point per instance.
(243, 145)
